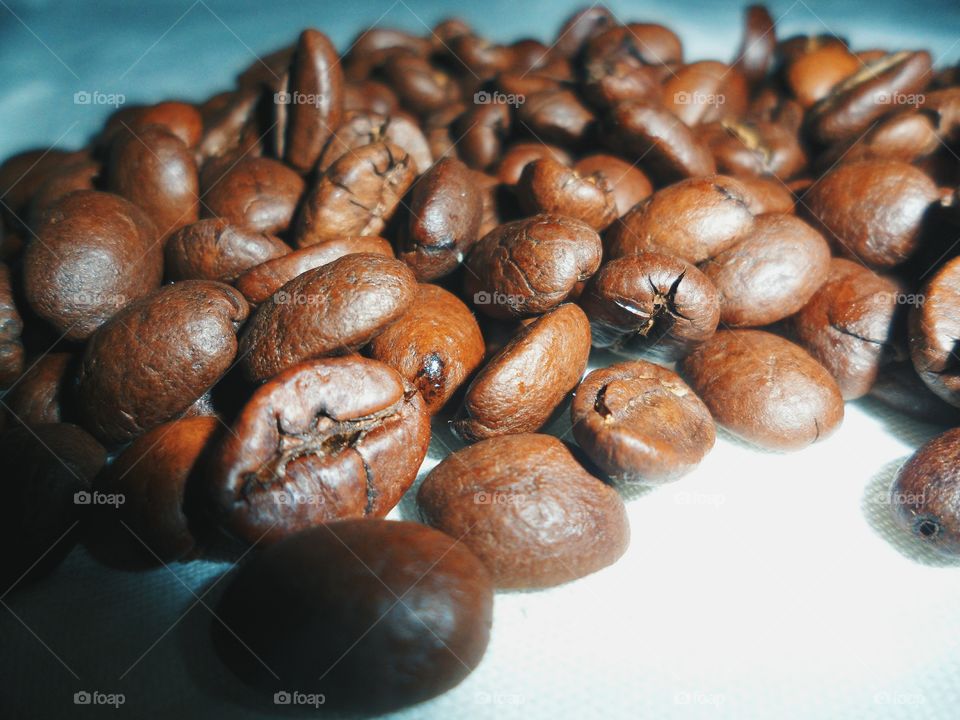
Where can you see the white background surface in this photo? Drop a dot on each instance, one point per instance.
(760, 586)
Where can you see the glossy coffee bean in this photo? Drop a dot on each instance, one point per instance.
(548, 186)
(364, 127)
(480, 134)
(356, 195)
(759, 44)
(40, 394)
(925, 495)
(612, 79)
(813, 74)
(422, 87)
(446, 208)
(436, 345)
(580, 27)
(179, 118)
(754, 148)
(213, 249)
(627, 181)
(529, 266)
(771, 273)
(369, 96)
(848, 325)
(155, 357)
(94, 254)
(520, 387)
(521, 154)
(706, 91)
(224, 122)
(11, 328)
(318, 613)
(257, 193)
(330, 310)
(906, 136)
(767, 195)
(935, 331)
(765, 389)
(650, 303)
(555, 116)
(327, 439)
(650, 44)
(640, 422)
(261, 281)
(527, 509)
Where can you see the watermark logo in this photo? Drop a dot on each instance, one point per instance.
(85, 497)
(483, 97)
(899, 298)
(498, 498)
(498, 298)
(282, 297)
(698, 98)
(87, 297)
(885, 97)
(687, 497)
(95, 97)
(696, 697)
(291, 498)
(313, 700)
(486, 698)
(95, 697)
(298, 98)
(895, 697)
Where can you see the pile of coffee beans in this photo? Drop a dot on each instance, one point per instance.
(227, 327)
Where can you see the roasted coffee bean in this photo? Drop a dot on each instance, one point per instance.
(319, 613)
(154, 358)
(758, 45)
(520, 387)
(179, 118)
(213, 249)
(555, 116)
(363, 128)
(848, 325)
(639, 422)
(78, 174)
(792, 48)
(872, 210)
(944, 107)
(40, 394)
(94, 253)
(49, 469)
(813, 74)
(628, 182)
(935, 333)
(373, 48)
(223, 124)
(651, 303)
(769, 274)
(528, 266)
(151, 476)
(257, 193)
(706, 91)
(527, 509)
(421, 87)
(898, 386)
(548, 186)
(765, 389)
(773, 107)
(907, 136)
(613, 79)
(260, 282)
(11, 328)
(330, 310)
(479, 56)
(356, 195)
(519, 155)
(767, 195)
(370, 96)
(437, 127)
(480, 132)
(493, 214)
(925, 496)
(580, 28)
(22, 175)
(650, 44)
(754, 148)
(326, 439)
(694, 220)
(436, 345)
(446, 208)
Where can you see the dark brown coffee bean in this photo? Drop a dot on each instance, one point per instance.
(813, 74)
(155, 357)
(315, 99)
(925, 496)
(639, 422)
(373, 48)
(436, 345)
(848, 325)
(907, 136)
(706, 91)
(872, 210)
(898, 386)
(179, 118)
(437, 127)
(94, 254)
(694, 220)
(548, 186)
(356, 195)
(421, 87)
(40, 394)
(258, 283)
(611, 79)
(935, 333)
(650, 303)
(374, 615)
(527, 509)
(370, 96)
(754, 148)
(758, 45)
(519, 155)
(257, 193)
(580, 27)
(446, 208)
(651, 44)
(151, 476)
(480, 134)
(331, 310)
(944, 106)
(769, 274)
(528, 266)
(11, 328)
(214, 249)
(493, 213)
(324, 440)
(774, 107)
(22, 175)
(77, 174)
(223, 124)
(629, 184)
(555, 116)
(765, 389)
(519, 388)
(363, 128)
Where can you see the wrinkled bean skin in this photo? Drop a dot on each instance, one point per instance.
(260, 282)
(848, 325)
(11, 327)
(213, 249)
(527, 509)
(520, 386)
(327, 600)
(41, 392)
(436, 345)
(754, 148)
(628, 182)
(935, 333)
(94, 254)
(330, 310)
(257, 193)
(640, 422)
(363, 128)
(155, 357)
(771, 273)
(765, 389)
(529, 266)
(325, 440)
(446, 208)
(547, 186)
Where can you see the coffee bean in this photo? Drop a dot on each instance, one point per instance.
(22, 175)
(813, 74)
(421, 87)
(580, 28)
(370, 96)
(651, 44)
(555, 116)
(906, 136)
(178, 118)
(373, 48)
(767, 194)
(330, 310)
(640, 422)
(547, 186)
(436, 345)
(372, 614)
(898, 386)
(79, 173)
(365, 127)
(520, 387)
(935, 333)
(527, 509)
(213, 249)
(481, 131)
(223, 123)
(627, 181)
(759, 43)
(11, 328)
(521, 154)
(742, 147)
(39, 396)
(323, 440)
(765, 389)
(706, 91)
(256, 193)
(925, 496)
(155, 357)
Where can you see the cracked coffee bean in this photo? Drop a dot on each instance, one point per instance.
(364, 128)
(628, 183)
(935, 333)
(743, 147)
(214, 249)
(327, 439)
(258, 194)
(548, 186)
